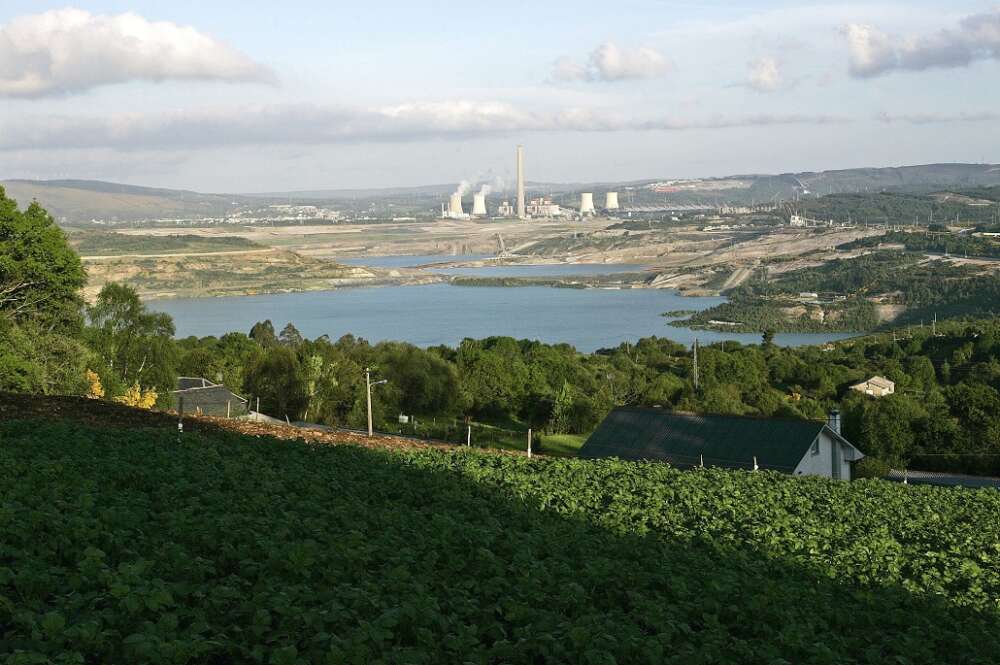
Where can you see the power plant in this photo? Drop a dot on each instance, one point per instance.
(541, 207)
(455, 206)
(520, 183)
(479, 205)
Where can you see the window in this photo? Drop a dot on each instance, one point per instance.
(815, 447)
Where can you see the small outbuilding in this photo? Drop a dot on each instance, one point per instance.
(877, 386)
(199, 395)
(685, 440)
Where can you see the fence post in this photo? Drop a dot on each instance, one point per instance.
(257, 417)
(468, 436)
(529, 443)
(180, 418)
(229, 404)
(755, 463)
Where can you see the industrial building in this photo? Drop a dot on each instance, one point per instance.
(479, 205)
(454, 208)
(544, 207)
(587, 203)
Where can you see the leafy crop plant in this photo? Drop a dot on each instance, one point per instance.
(126, 546)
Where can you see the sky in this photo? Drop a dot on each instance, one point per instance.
(230, 96)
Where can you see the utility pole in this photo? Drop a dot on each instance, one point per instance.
(368, 390)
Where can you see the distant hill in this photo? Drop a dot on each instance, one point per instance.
(80, 201)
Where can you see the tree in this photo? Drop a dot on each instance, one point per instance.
(136, 345)
(34, 359)
(290, 336)
(278, 380)
(263, 333)
(40, 274)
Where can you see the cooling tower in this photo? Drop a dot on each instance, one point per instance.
(611, 201)
(455, 205)
(587, 203)
(520, 182)
(479, 205)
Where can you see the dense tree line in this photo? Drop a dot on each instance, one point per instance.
(892, 208)
(945, 413)
(934, 243)
(847, 289)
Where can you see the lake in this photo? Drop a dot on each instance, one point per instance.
(427, 315)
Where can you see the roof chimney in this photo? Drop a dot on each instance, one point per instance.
(833, 420)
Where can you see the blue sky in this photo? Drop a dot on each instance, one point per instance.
(237, 96)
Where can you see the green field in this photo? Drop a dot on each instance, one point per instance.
(127, 545)
(96, 243)
(562, 445)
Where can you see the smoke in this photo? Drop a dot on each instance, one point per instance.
(463, 188)
(490, 183)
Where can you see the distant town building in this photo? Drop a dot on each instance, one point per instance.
(877, 386)
(685, 440)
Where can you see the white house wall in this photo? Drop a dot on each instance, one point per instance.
(822, 463)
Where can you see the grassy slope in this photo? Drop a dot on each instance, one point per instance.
(98, 243)
(80, 202)
(125, 545)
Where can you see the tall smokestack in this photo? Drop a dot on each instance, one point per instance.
(479, 204)
(520, 182)
(587, 203)
(455, 204)
(611, 201)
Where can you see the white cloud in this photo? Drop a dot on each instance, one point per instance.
(765, 74)
(309, 125)
(874, 52)
(610, 62)
(938, 118)
(71, 50)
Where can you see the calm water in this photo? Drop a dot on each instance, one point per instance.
(433, 314)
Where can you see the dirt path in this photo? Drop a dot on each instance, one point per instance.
(739, 276)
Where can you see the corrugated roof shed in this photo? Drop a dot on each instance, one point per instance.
(187, 382)
(212, 400)
(684, 439)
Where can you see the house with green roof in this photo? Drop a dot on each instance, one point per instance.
(685, 440)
